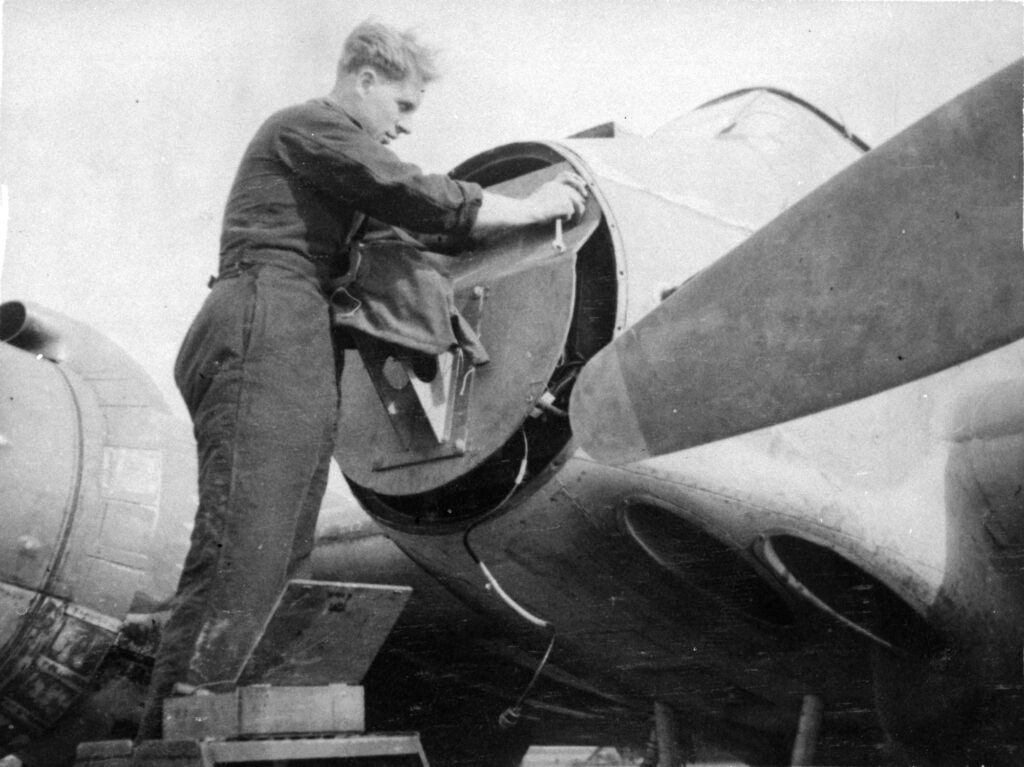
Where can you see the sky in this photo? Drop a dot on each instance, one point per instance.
(123, 121)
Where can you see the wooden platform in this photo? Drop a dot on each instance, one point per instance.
(262, 710)
(297, 700)
(377, 750)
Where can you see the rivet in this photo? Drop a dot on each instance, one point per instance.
(29, 544)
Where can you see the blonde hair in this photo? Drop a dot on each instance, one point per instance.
(391, 53)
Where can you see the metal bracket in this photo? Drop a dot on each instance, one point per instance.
(430, 414)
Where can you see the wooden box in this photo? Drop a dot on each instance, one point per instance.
(266, 710)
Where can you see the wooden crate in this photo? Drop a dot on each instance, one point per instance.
(266, 710)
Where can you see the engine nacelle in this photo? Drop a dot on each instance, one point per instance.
(93, 469)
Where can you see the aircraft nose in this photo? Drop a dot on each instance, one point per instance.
(86, 445)
(39, 458)
(48, 645)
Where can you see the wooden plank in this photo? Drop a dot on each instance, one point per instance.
(280, 710)
(324, 633)
(400, 750)
(262, 710)
(200, 716)
(169, 753)
(104, 753)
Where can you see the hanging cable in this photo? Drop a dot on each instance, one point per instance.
(509, 718)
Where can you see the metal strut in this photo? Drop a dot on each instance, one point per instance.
(668, 735)
(811, 713)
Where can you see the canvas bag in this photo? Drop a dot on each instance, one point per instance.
(405, 296)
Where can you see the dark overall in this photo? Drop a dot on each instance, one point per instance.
(259, 374)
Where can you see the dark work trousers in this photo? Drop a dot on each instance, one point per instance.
(259, 374)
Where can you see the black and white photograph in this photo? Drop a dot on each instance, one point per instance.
(580, 383)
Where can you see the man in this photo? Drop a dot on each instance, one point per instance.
(258, 369)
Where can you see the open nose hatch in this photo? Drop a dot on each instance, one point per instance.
(437, 439)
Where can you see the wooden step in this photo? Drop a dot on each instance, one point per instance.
(261, 710)
(322, 633)
(379, 749)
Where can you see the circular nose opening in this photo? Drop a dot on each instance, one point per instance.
(704, 563)
(849, 594)
(12, 319)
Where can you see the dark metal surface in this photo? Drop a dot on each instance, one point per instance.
(324, 633)
(905, 264)
(525, 290)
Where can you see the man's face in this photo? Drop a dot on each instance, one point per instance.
(387, 106)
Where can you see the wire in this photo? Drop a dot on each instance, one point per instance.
(547, 407)
(520, 475)
(510, 717)
(520, 610)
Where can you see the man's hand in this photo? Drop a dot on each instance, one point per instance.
(564, 197)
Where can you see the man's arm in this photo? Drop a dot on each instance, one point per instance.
(564, 197)
(338, 157)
